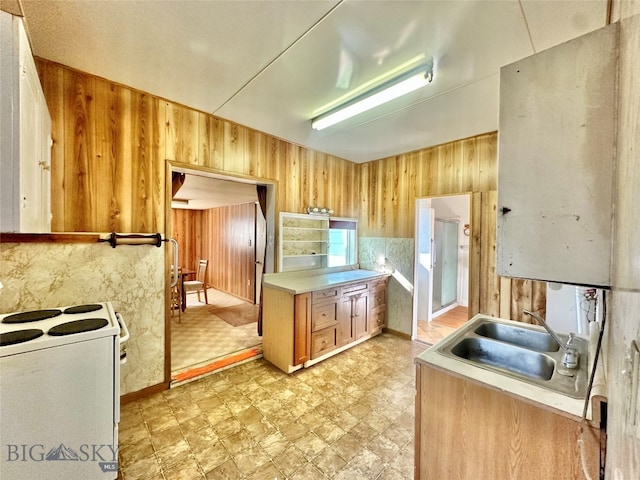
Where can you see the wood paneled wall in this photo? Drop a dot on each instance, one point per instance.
(111, 143)
(186, 228)
(390, 187)
(226, 237)
(229, 245)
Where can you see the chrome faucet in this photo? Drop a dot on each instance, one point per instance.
(571, 356)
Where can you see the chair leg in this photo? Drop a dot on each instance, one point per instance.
(206, 300)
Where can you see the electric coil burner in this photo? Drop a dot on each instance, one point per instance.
(52, 322)
(60, 384)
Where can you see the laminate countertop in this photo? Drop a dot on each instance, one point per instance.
(543, 397)
(312, 280)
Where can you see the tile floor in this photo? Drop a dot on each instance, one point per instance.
(349, 417)
(201, 336)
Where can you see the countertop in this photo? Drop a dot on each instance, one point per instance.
(311, 280)
(526, 391)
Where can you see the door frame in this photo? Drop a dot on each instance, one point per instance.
(269, 261)
(416, 282)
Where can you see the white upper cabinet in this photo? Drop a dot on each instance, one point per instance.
(556, 162)
(25, 134)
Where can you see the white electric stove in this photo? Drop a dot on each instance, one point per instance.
(60, 392)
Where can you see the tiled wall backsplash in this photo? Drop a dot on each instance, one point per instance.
(48, 275)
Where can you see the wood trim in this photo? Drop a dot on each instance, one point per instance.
(406, 336)
(49, 237)
(145, 392)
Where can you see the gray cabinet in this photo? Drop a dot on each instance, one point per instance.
(556, 161)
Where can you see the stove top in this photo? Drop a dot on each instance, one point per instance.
(32, 330)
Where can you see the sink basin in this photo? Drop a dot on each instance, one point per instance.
(504, 356)
(524, 337)
(521, 351)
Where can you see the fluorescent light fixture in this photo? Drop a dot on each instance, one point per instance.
(401, 85)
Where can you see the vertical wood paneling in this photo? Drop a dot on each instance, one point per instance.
(79, 168)
(475, 251)
(389, 188)
(216, 143)
(182, 140)
(111, 143)
(226, 237)
(234, 136)
(107, 116)
(489, 281)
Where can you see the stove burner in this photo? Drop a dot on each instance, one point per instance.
(19, 336)
(34, 316)
(83, 308)
(77, 326)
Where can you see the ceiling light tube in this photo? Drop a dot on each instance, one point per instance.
(406, 83)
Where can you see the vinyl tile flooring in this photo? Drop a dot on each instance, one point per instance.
(348, 417)
(199, 336)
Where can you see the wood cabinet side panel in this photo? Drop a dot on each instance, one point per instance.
(302, 328)
(467, 431)
(277, 327)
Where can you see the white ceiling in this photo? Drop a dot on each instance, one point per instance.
(269, 64)
(199, 192)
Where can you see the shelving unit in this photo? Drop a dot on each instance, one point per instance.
(304, 241)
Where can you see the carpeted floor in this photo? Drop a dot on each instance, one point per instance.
(200, 336)
(237, 315)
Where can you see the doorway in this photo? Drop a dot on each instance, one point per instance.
(224, 224)
(441, 293)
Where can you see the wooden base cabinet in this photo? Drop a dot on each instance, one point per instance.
(465, 430)
(299, 330)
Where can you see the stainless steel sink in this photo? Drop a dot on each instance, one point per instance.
(504, 356)
(524, 337)
(521, 351)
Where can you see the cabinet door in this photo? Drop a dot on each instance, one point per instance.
(359, 314)
(556, 154)
(30, 146)
(346, 332)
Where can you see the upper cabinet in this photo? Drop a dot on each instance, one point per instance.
(556, 155)
(25, 134)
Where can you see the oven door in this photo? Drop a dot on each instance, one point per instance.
(59, 414)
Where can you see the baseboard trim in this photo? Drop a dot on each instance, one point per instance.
(397, 333)
(145, 392)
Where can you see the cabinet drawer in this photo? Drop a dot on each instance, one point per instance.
(329, 294)
(323, 341)
(378, 297)
(354, 288)
(378, 282)
(377, 319)
(324, 315)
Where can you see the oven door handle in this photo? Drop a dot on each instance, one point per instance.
(123, 328)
